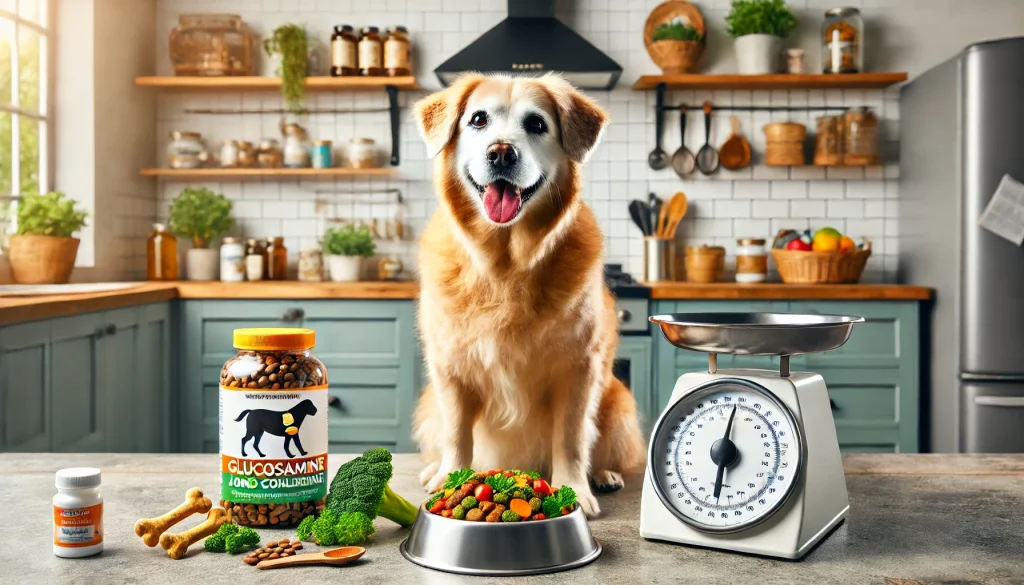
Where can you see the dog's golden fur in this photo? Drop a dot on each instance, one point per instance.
(518, 328)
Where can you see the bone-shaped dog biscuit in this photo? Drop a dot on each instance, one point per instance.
(177, 545)
(150, 529)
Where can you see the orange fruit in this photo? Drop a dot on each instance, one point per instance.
(846, 244)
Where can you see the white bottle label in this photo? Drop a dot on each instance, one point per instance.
(369, 54)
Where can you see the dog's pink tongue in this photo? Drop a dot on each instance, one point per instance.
(501, 202)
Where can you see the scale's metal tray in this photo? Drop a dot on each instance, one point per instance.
(756, 333)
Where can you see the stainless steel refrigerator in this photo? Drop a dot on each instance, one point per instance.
(961, 131)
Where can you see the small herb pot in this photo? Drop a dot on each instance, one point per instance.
(758, 54)
(344, 268)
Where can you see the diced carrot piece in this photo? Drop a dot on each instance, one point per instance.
(521, 507)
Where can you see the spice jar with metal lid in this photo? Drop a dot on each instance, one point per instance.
(186, 151)
(396, 51)
(371, 62)
(843, 46)
(751, 261)
(273, 428)
(343, 51)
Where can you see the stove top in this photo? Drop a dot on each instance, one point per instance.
(623, 285)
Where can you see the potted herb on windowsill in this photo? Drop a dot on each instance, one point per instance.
(201, 215)
(759, 27)
(294, 53)
(43, 251)
(345, 247)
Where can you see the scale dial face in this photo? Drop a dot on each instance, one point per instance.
(719, 482)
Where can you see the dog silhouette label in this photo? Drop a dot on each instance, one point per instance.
(273, 444)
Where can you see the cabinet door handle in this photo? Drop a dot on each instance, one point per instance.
(1005, 401)
(335, 402)
(111, 329)
(295, 314)
(832, 403)
(99, 333)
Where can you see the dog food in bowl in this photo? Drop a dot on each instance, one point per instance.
(500, 496)
(273, 428)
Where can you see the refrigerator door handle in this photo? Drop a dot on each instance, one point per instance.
(1002, 401)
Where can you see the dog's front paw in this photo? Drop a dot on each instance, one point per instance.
(428, 472)
(436, 481)
(606, 481)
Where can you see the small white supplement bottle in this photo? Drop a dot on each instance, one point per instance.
(78, 513)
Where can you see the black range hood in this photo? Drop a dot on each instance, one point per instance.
(532, 41)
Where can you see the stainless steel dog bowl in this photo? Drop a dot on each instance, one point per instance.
(756, 333)
(499, 548)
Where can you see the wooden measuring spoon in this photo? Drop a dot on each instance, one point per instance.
(336, 556)
(677, 207)
(735, 152)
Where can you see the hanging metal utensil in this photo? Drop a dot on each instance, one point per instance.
(658, 160)
(735, 151)
(683, 161)
(707, 158)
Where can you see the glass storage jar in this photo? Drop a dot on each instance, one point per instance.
(212, 44)
(362, 153)
(343, 51)
(828, 144)
(751, 261)
(843, 43)
(860, 137)
(273, 428)
(186, 151)
(396, 51)
(232, 260)
(371, 62)
(161, 254)
(254, 260)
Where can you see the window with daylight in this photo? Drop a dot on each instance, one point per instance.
(24, 85)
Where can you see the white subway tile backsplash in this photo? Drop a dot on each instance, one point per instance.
(751, 202)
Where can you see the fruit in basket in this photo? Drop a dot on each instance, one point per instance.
(826, 242)
(827, 231)
(846, 244)
(798, 245)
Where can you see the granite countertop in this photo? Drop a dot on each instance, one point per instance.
(914, 520)
(16, 309)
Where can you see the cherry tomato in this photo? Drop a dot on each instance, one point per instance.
(484, 493)
(541, 487)
(538, 517)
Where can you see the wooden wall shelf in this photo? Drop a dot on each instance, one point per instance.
(768, 82)
(212, 174)
(258, 83)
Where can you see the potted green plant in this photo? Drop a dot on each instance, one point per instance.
(759, 27)
(290, 44)
(344, 248)
(43, 251)
(201, 215)
(674, 36)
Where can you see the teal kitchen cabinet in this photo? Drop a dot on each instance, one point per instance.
(873, 380)
(633, 365)
(94, 382)
(368, 348)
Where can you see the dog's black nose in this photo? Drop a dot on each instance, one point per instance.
(502, 155)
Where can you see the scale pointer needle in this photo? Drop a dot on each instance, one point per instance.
(723, 454)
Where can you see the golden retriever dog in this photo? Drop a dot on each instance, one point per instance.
(518, 329)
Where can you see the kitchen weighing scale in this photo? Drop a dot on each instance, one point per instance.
(747, 460)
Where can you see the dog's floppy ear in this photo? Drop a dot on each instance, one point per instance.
(581, 121)
(438, 114)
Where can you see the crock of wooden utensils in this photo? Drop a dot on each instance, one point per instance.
(671, 215)
(336, 556)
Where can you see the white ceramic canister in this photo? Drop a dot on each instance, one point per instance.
(751, 261)
(232, 260)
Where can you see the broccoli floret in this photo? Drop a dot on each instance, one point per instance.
(533, 474)
(563, 498)
(217, 542)
(347, 528)
(305, 529)
(523, 493)
(510, 516)
(500, 498)
(468, 503)
(246, 538)
(459, 513)
(361, 485)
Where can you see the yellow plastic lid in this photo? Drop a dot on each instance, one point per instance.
(274, 338)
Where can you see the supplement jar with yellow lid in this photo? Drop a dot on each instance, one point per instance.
(273, 428)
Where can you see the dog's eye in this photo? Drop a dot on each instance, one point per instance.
(479, 120)
(534, 124)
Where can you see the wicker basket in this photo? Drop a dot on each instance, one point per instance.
(674, 57)
(784, 154)
(799, 267)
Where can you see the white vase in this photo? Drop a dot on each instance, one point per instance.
(758, 54)
(202, 264)
(344, 268)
